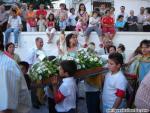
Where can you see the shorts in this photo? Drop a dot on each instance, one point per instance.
(110, 30)
(90, 29)
(50, 30)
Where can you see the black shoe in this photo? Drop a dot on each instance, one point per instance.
(36, 106)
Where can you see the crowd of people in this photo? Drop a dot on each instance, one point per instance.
(102, 20)
(113, 91)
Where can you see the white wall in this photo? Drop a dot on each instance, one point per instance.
(131, 41)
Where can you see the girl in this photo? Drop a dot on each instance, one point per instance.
(82, 14)
(41, 23)
(72, 20)
(93, 26)
(50, 24)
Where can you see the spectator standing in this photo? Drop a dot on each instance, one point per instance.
(14, 25)
(10, 52)
(132, 22)
(146, 24)
(41, 11)
(3, 18)
(31, 19)
(141, 19)
(102, 9)
(83, 15)
(72, 20)
(112, 12)
(24, 9)
(123, 13)
(41, 23)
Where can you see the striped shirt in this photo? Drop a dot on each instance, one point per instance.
(14, 94)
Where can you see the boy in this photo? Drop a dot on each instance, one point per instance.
(14, 25)
(65, 92)
(24, 68)
(115, 85)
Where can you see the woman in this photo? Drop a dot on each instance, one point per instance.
(10, 49)
(31, 19)
(83, 15)
(108, 25)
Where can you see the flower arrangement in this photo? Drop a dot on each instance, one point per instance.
(86, 60)
(44, 69)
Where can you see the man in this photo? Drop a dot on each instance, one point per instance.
(14, 94)
(3, 18)
(14, 25)
(37, 53)
(141, 19)
(132, 22)
(123, 13)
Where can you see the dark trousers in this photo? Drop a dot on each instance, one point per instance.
(146, 28)
(93, 102)
(70, 111)
(51, 105)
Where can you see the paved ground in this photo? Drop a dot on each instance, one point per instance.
(81, 103)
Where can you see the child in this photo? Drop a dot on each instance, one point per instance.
(121, 49)
(72, 20)
(50, 24)
(112, 49)
(41, 23)
(115, 85)
(62, 43)
(62, 23)
(24, 68)
(65, 93)
(93, 26)
(120, 23)
(79, 25)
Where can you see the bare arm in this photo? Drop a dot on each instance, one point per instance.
(117, 102)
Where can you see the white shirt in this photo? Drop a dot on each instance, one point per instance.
(34, 56)
(68, 88)
(14, 93)
(93, 21)
(72, 20)
(14, 22)
(125, 16)
(141, 18)
(111, 84)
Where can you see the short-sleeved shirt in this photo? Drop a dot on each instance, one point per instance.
(14, 22)
(111, 84)
(14, 93)
(41, 12)
(68, 88)
(108, 20)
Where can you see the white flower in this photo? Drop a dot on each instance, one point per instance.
(77, 60)
(95, 59)
(100, 61)
(91, 59)
(85, 56)
(83, 66)
(78, 67)
(40, 77)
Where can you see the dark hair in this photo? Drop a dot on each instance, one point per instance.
(112, 46)
(95, 12)
(80, 6)
(112, 8)
(25, 64)
(68, 37)
(64, 5)
(117, 58)
(122, 47)
(14, 11)
(7, 46)
(69, 66)
(120, 16)
(107, 11)
(148, 10)
(145, 42)
(71, 9)
(51, 14)
(38, 38)
(92, 43)
(50, 58)
(122, 7)
(1, 40)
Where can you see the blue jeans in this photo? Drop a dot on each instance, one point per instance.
(16, 34)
